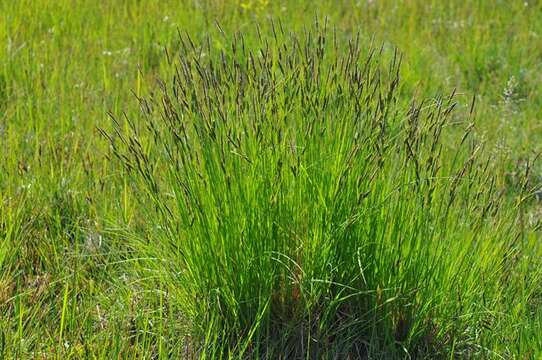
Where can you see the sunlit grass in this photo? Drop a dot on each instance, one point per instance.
(88, 267)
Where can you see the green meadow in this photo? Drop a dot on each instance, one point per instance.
(259, 179)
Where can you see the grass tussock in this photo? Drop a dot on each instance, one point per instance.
(301, 209)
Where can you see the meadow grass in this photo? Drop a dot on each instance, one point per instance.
(268, 188)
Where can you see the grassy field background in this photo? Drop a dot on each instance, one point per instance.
(81, 274)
